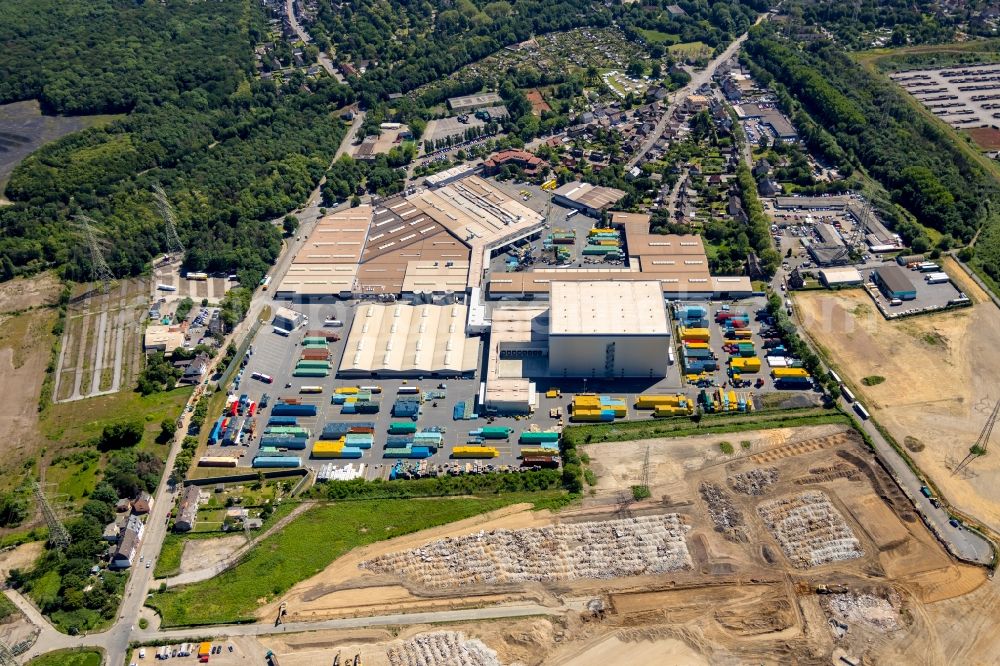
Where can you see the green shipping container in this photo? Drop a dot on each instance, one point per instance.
(538, 437)
(314, 341)
(312, 364)
(316, 345)
(287, 430)
(495, 432)
(400, 428)
(310, 372)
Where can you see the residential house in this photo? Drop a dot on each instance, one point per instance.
(143, 504)
(187, 509)
(112, 532)
(196, 369)
(123, 505)
(123, 555)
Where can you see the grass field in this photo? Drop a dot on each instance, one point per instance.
(69, 658)
(657, 37)
(304, 548)
(691, 50)
(712, 423)
(74, 423)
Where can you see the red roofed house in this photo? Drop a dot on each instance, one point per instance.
(530, 164)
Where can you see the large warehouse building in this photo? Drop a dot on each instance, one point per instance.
(402, 340)
(608, 329)
(894, 282)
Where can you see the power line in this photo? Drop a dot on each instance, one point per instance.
(979, 448)
(100, 272)
(174, 245)
(58, 535)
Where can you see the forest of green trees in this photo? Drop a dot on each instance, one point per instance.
(232, 156)
(875, 127)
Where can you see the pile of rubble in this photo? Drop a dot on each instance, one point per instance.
(727, 518)
(754, 481)
(866, 609)
(603, 549)
(810, 529)
(442, 648)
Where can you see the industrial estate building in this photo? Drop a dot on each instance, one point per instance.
(677, 262)
(591, 199)
(406, 340)
(840, 277)
(608, 329)
(894, 282)
(164, 339)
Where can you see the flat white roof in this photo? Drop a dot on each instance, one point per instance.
(404, 338)
(614, 307)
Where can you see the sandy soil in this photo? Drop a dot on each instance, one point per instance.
(937, 387)
(23, 293)
(743, 601)
(24, 353)
(619, 466)
(344, 589)
(204, 553)
(21, 557)
(658, 651)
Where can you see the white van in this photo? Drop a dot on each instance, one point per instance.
(335, 323)
(896, 301)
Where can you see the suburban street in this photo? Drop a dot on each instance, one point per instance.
(698, 79)
(323, 58)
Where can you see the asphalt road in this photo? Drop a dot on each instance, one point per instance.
(698, 79)
(323, 58)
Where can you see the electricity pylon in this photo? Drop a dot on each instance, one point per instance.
(979, 448)
(57, 531)
(174, 245)
(98, 266)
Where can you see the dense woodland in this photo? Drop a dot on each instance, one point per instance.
(875, 127)
(232, 156)
(855, 24)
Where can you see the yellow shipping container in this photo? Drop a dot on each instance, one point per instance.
(347, 390)
(751, 364)
(789, 372)
(693, 344)
(671, 410)
(695, 334)
(475, 452)
(743, 333)
(652, 401)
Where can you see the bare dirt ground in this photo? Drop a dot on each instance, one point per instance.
(744, 600)
(102, 340)
(25, 346)
(23, 293)
(21, 557)
(204, 553)
(939, 387)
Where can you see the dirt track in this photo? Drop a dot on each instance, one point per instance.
(743, 601)
(939, 385)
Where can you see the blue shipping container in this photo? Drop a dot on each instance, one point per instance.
(283, 409)
(282, 421)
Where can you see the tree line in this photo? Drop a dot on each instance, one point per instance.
(876, 128)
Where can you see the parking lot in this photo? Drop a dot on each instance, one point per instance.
(275, 355)
(930, 297)
(720, 377)
(963, 96)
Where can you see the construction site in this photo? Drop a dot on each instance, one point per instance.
(797, 547)
(925, 382)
